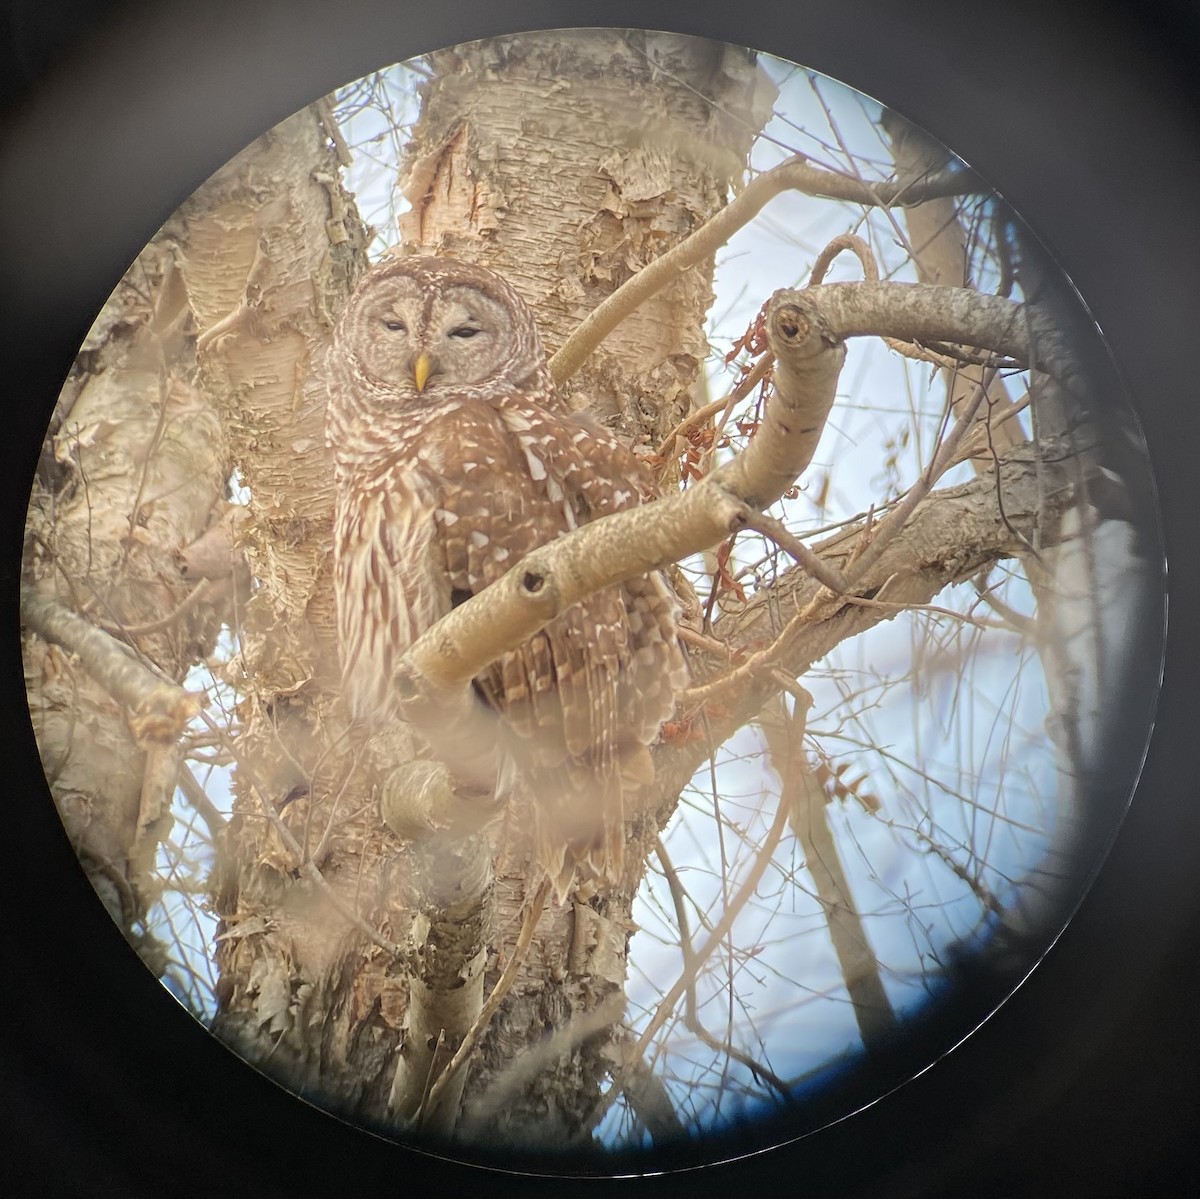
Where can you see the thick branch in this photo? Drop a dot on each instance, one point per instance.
(948, 539)
(546, 582)
(159, 711)
(794, 175)
(925, 312)
(809, 356)
(805, 330)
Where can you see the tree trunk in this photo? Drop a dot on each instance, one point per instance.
(132, 473)
(354, 962)
(580, 162)
(566, 165)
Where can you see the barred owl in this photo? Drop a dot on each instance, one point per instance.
(455, 456)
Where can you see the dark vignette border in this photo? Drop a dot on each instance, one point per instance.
(1083, 1083)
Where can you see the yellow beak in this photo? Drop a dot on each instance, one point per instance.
(421, 368)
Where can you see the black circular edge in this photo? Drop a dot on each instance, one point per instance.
(1083, 1080)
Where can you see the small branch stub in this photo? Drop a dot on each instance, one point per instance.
(809, 357)
(626, 544)
(420, 799)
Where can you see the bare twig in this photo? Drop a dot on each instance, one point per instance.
(198, 798)
(942, 460)
(795, 174)
(864, 254)
(779, 533)
(691, 1017)
(701, 955)
(861, 601)
(982, 892)
(646, 1093)
(724, 405)
(535, 1058)
(696, 958)
(188, 602)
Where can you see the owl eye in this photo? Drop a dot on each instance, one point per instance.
(465, 331)
(394, 326)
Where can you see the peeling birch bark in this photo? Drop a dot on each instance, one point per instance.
(636, 142)
(571, 170)
(133, 467)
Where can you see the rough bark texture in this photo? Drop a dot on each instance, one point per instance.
(566, 163)
(132, 473)
(567, 168)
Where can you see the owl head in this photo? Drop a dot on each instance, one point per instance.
(418, 329)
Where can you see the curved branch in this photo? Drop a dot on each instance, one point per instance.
(549, 580)
(805, 330)
(796, 174)
(926, 313)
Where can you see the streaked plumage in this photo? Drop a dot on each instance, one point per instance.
(455, 456)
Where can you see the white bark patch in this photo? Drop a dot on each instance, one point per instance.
(642, 174)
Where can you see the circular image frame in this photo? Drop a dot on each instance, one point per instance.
(1013, 192)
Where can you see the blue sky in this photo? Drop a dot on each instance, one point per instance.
(947, 721)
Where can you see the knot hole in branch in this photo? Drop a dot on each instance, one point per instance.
(792, 324)
(405, 685)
